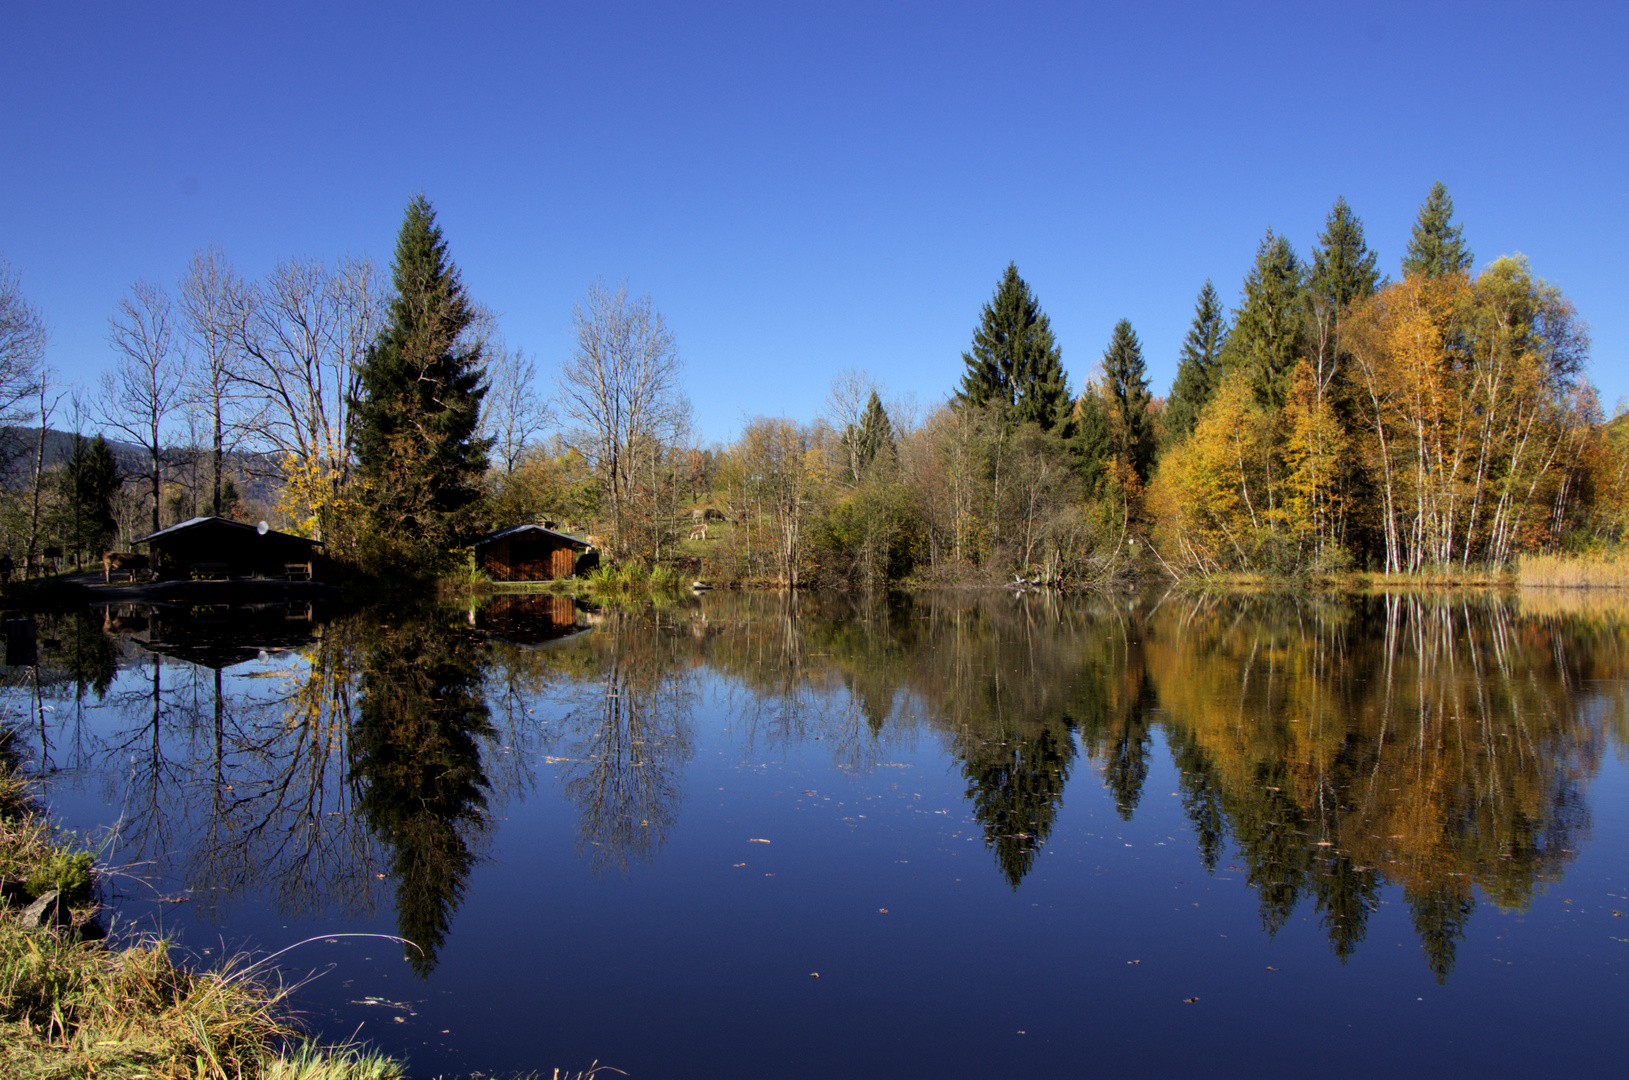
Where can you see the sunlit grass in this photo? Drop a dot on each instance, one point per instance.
(1592, 570)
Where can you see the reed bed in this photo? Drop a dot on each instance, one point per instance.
(1592, 570)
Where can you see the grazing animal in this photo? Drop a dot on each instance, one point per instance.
(122, 560)
(699, 532)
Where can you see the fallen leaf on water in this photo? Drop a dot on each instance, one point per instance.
(814, 974)
(882, 911)
(1189, 1001)
(1271, 968)
(755, 840)
(381, 877)
(738, 864)
(1133, 961)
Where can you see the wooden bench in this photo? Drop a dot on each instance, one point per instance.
(297, 571)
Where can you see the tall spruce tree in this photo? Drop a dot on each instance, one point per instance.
(1015, 364)
(415, 422)
(1437, 246)
(1268, 331)
(87, 482)
(1125, 384)
(1198, 371)
(872, 439)
(1343, 267)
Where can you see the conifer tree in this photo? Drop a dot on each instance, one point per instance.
(1199, 369)
(1343, 267)
(1437, 247)
(415, 421)
(873, 438)
(1125, 384)
(88, 480)
(1015, 364)
(1268, 331)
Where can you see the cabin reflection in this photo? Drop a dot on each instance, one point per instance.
(214, 636)
(529, 619)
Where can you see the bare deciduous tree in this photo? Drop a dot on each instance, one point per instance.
(512, 414)
(145, 386)
(214, 305)
(845, 405)
(621, 380)
(22, 349)
(304, 336)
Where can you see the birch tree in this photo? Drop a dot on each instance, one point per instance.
(621, 381)
(213, 305)
(144, 389)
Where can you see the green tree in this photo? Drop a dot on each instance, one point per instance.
(1198, 370)
(1437, 247)
(416, 418)
(1092, 441)
(1268, 333)
(872, 438)
(1015, 364)
(1125, 383)
(1343, 267)
(88, 481)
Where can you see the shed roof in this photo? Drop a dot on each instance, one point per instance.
(194, 524)
(516, 530)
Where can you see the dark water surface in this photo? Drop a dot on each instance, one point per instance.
(1014, 836)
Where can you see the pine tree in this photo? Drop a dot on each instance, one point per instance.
(414, 424)
(1268, 331)
(1199, 369)
(89, 478)
(1015, 364)
(1437, 247)
(873, 438)
(1343, 267)
(1125, 384)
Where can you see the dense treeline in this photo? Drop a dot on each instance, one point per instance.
(1335, 419)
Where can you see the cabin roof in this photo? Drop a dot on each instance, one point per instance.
(516, 530)
(219, 523)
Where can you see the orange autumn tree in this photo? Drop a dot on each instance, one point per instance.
(1469, 407)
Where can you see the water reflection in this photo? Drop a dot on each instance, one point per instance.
(1331, 746)
(415, 760)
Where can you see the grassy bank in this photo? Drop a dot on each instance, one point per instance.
(1592, 570)
(72, 1006)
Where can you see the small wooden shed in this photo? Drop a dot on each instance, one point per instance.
(216, 547)
(529, 553)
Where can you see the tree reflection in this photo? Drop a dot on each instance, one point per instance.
(627, 739)
(416, 763)
(1337, 747)
(1429, 742)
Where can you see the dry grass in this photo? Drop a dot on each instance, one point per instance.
(1595, 570)
(78, 1009)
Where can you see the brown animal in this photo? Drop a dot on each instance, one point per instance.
(122, 560)
(699, 532)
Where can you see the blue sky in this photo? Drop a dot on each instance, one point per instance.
(803, 188)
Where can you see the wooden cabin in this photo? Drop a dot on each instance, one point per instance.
(213, 547)
(530, 553)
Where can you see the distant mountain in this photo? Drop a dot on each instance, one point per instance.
(17, 445)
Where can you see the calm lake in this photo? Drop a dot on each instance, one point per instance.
(943, 835)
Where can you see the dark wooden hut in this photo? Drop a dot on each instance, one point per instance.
(215, 547)
(529, 553)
